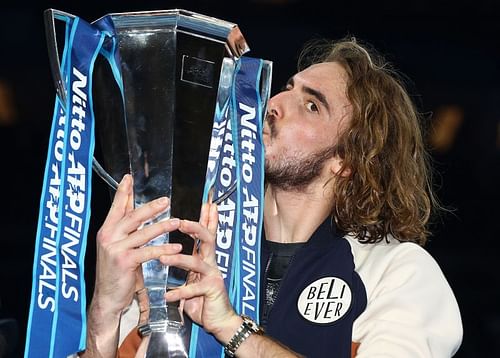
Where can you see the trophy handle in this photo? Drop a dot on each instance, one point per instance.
(108, 179)
(50, 15)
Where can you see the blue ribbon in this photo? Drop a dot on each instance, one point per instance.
(250, 185)
(57, 319)
(237, 156)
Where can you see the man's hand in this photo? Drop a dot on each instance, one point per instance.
(120, 253)
(205, 295)
(119, 246)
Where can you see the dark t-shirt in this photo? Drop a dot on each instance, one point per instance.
(281, 254)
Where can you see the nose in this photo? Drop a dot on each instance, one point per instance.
(275, 105)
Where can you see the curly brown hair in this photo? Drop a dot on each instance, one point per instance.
(386, 187)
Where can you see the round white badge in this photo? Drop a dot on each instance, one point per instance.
(325, 300)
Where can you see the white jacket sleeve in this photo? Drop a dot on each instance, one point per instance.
(411, 310)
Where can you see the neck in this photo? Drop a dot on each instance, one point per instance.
(293, 216)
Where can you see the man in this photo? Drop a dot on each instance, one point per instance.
(347, 200)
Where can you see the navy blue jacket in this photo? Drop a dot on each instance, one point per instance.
(321, 326)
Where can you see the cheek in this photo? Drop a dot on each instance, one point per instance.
(307, 139)
(299, 134)
(298, 137)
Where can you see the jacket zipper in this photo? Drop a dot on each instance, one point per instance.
(267, 312)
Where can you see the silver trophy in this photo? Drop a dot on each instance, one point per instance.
(156, 122)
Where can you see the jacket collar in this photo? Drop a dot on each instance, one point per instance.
(323, 236)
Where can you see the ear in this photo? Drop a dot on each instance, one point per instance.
(335, 167)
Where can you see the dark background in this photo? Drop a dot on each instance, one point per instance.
(449, 50)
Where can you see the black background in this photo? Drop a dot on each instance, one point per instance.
(449, 50)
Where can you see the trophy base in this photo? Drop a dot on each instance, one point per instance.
(171, 343)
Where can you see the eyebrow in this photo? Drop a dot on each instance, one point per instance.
(313, 92)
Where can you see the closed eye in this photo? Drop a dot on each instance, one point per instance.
(286, 87)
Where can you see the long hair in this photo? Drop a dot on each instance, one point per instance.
(386, 187)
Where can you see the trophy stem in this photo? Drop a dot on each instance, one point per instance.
(162, 322)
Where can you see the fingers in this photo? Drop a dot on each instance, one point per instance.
(213, 286)
(143, 254)
(196, 230)
(120, 224)
(188, 263)
(186, 292)
(148, 233)
(213, 219)
(130, 202)
(204, 214)
(139, 279)
(207, 239)
(208, 216)
(134, 219)
(120, 202)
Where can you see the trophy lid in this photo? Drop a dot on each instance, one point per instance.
(184, 21)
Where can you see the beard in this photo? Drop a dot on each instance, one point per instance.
(295, 172)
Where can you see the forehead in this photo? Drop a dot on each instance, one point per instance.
(328, 77)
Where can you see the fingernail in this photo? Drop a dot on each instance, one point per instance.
(177, 246)
(175, 221)
(162, 201)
